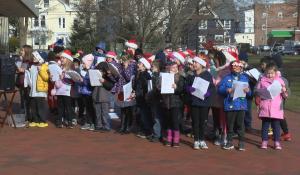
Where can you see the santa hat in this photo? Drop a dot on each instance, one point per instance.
(88, 60)
(111, 54)
(200, 61)
(189, 52)
(131, 44)
(145, 62)
(39, 57)
(236, 63)
(179, 56)
(67, 54)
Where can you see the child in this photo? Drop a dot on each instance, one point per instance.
(38, 90)
(85, 90)
(140, 86)
(173, 105)
(200, 107)
(270, 110)
(101, 98)
(234, 108)
(63, 92)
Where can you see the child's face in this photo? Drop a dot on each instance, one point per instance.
(197, 66)
(141, 66)
(237, 69)
(22, 52)
(263, 66)
(174, 69)
(154, 68)
(108, 59)
(270, 73)
(76, 65)
(63, 60)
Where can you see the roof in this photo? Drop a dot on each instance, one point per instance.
(18, 8)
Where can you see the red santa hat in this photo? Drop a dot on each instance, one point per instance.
(145, 62)
(131, 44)
(189, 52)
(179, 56)
(200, 61)
(67, 54)
(111, 54)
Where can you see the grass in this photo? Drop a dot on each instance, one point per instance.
(291, 66)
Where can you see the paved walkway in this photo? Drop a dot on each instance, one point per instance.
(72, 151)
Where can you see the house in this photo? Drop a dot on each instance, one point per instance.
(276, 22)
(54, 22)
(246, 27)
(217, 24)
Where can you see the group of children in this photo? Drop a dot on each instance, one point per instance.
(64, 79)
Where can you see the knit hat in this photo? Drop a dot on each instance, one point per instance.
(111, 54)
(39, 56)
(88, 60)
(67, 54)
(200, 61)
(131, 44)
(101, 45)
(145, 62)
(179, 56)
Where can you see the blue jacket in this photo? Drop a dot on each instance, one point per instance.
(239, 104)
(85, 87)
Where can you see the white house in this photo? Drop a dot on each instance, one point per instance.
(55, 22)
(246, 27)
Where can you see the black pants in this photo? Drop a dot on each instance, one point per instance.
(235, 119)
(78, 102)
(25, 103)
(172, 119)
(65, 110)
(199, 116)
(90, 116)
(38, 108)
(284, 126)
(126, 118)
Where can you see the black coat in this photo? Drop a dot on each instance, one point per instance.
(140, 86)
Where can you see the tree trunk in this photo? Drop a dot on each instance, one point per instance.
(23, 25)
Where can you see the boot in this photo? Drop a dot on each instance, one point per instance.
(169, 137)
(123, 124)
(128, 123)
(176, 138)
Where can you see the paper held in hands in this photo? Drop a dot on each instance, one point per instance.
(74, 75)
(127, 90)
(167, 81)
(238, 87)
(95, 76)
(27, 79)
(201, 87)
(271, 92)
(254, 73)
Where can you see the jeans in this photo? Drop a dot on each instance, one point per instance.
(156, 115)
(275, 124)
(90, 117)
(199, 116)
(235, 118)
(65, 110)
(146, 118)
(38, 108)
(248, 114)
(103, 118)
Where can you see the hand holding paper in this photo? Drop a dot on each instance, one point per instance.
(240, 89)
(201, 87)
(167, 81)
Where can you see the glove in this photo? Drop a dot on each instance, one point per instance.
(207, 94)
(190, 89)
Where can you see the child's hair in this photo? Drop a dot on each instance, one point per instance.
(69, 65)
(28, 53)
(271, 66)
(156, 63)
(51, 56)
(266, 60)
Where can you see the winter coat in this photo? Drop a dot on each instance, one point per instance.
(85, 87)
(153, 97)
(101, 94)
(140, 86)
(42, 79)
(271, 108)
(175, 100)
(63, 87)
(34, 74)
(207, 102)
(239, 104)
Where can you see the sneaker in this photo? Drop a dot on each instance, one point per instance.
(264, 145)
(242, 146)
(33, 124)
(42, 125)
(175, 145)
(286, 137)
(228, 146)
(277, 146)
(141, 135)
(70, 125)
(217, 142)
(168, 144)
(196, 145)
(203, 145)
(85, 126)
(92, 127)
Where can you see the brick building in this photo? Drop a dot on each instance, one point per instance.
(275, 22)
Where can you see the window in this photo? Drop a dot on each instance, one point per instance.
(264, 15)
(43, 21)
(46, 3)
(263, 27)
(202, 39)
(43, 39)
(280, 15)
(36, 41)
(227, 24)
(249, 19)
(219, 38)
(203, 24)
(61, 22)
(36, 22)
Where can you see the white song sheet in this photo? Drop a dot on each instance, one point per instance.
(74, 75)
(55, 71)
(127, 90)
(27, 79)
(238, 87)
(201, 87)
(254, 73)
(271, 92)
(167, 80)
(95, 76)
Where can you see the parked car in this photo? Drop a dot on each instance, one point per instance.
(263, 50)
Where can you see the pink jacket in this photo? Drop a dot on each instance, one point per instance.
(271, 108)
